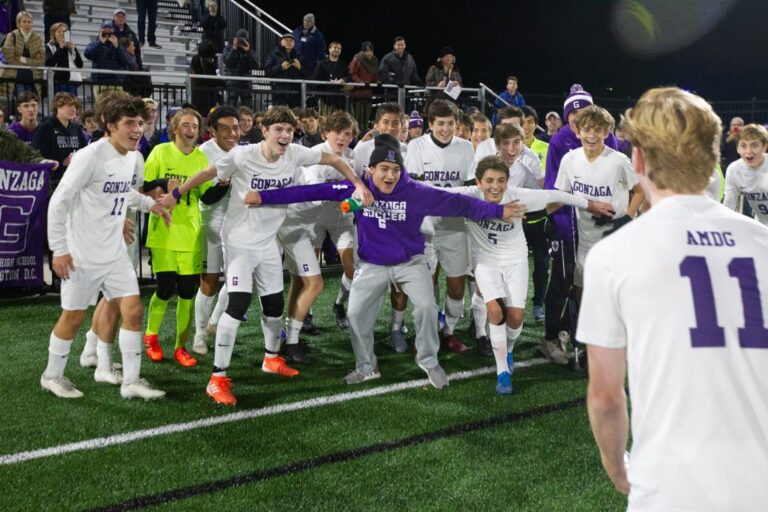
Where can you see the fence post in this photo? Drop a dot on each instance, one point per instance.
(303, 94)
(401, 97)
(49, 84)
(188, 86)
(481, 99)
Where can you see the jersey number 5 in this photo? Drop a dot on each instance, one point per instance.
(708, 333)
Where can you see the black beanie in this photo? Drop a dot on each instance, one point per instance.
(386, 149)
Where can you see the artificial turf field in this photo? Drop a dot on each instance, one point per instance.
(307, 443)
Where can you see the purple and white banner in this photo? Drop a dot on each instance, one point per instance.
(23, 207)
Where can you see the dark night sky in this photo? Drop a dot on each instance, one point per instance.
(552, 44)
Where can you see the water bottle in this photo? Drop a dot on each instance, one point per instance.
(351, 205)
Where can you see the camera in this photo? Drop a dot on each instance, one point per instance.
(241, 41)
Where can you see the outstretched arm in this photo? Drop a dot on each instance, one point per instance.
(343, 167)
(301, 194)
(169, 200)
(440, 202)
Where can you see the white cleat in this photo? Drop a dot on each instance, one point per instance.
(200, 344)
(60, 386)
(140, 388)
(88, 360)
(112, 376)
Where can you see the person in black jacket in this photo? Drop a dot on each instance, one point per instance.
(335, 70)
(106, 55)
(240, 60)
(59, 136)
(213, 25)
(285, 62)
(204, 90)
(60, 53)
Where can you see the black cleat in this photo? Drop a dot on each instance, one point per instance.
(483, 346)
(296, 354)
(309, 327)
(341, 316)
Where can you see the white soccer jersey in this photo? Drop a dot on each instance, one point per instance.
(608, 178)
(740, 179)
(498, 242)
(249, 171)
(329, 213)
(87, 212)
(520, 175)
(441, 167)
(214, 213)
(527, 156)
(685, 289)
(362, 155)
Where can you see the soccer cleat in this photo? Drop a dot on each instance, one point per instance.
(200, 344)
(60, 386)
(397, 340)
(154, 351)
(341, 316)
(483, 346)
(355, 377)
(218, 388)
(140, 388)
(296, 353)
(278, 365)
(88, 359)
(454, 344)
(112, 376)
(538, 313)
(437, 376)
(553, 351)
(183, 357)
(504, 383)
(309, 326)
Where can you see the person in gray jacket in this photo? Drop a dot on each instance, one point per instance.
(398, 66)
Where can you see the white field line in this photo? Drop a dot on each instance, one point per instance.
(175, 428)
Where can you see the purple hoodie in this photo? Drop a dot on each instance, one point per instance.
(22, 133)
(561, 143)
(389, 230)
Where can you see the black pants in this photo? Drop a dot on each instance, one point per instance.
(537, 243)
(560, 303)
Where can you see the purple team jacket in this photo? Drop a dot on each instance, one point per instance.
(561, 143)
(389, 230)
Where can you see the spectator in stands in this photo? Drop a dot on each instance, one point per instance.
(310, 122)
(398, 66)
(250, 133)
(121, 29)
(464, 126)
(415, 125)
(161, 136)
(136, 85)
(150, 126)
(57, 11)
(730, 139)
(27, 106)
(204, 90)
(147, 22)
(285, 62)
(23, 47)
(59, 135)
(511, 95)
(105, 54)
(481, 129)
(553, 123)
(89, 123)
(364, 68)
(240, 60)
(442, 74)
(194, 7)
(332, 69)
(310, 43)
(60, 52)
(213, 25)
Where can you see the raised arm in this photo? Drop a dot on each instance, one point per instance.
(304, 193)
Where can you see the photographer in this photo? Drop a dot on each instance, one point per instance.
(240, 60)
(105, 54)
(285, 62)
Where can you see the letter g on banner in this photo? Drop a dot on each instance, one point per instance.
(15, 212)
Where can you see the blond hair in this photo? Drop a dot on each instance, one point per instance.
(679, 136)
(594, 116)
(754, 132)
(176, 120)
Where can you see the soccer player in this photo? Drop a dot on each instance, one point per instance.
(177, 257)
(743, 176)
(392, 250)
(481, 130)
(697, 358)
(253, 257)
(224, 127)
(442, 160)
(86, 216)
(509, 115)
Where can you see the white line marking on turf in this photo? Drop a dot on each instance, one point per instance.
(175, 428)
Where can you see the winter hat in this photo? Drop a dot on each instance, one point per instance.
(445, 50)
(242, 33)
(287, 35)
(386, 149)
(578, 98)
(416, 120)
(367, 45)
(310, 18)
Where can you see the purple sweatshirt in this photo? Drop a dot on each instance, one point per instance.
(389, 230)
(561, 143)
(22, 133)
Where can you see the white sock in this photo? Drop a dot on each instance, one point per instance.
(226, 332)
(453, 311)
(271, 326)
(91, 339)
(58, 353)
(499, 345)
(471, 286)
(398, 317)
(293, 329)
(130, 348)
(221, 305)
(436, 291)
(480, 314)
(203, 309)
(103, 356)
(512, 335)
(346, 284)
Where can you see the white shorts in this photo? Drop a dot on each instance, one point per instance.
(431, 257)
(338, 225)
(245, 265)
(82, 288)
(213, 248)
(581, 257)
(300, 258)
(508, 282)
(451, 249)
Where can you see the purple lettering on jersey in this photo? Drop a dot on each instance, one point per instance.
(442, 176)
(706, 333)
(711, 238)
(753, 334)
(592, 190)
(268, 183)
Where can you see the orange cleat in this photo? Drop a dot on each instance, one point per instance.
(278, 365)
(183, 357)
(154, 351)
(218, 389)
